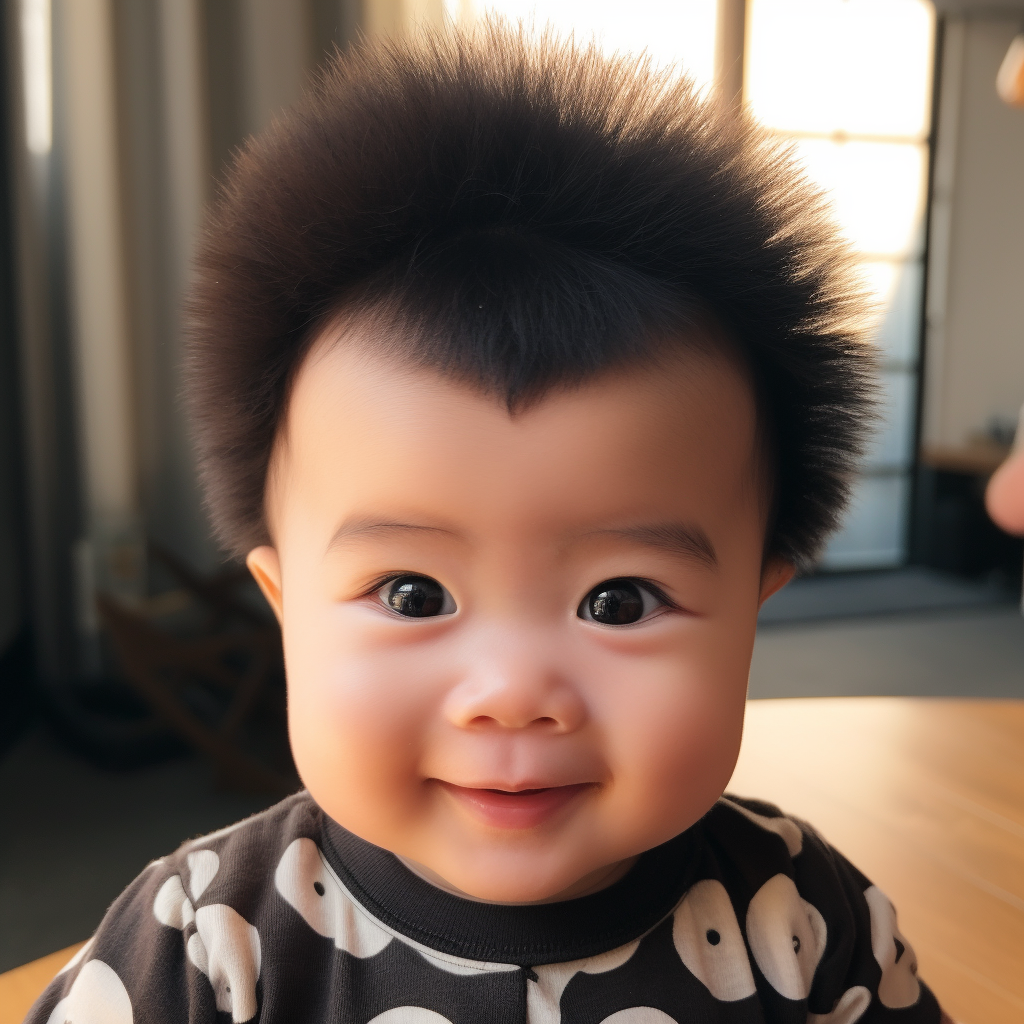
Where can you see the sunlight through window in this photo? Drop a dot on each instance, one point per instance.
(849, 82)
(857, 66)
(877, 191)
(680, 33)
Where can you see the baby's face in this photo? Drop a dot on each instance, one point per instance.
(517, 645)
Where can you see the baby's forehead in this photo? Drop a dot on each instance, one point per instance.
(402, 345)
(365, 425)
(351, 367)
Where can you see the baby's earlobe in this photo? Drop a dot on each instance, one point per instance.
(775, 574)
(265, 567)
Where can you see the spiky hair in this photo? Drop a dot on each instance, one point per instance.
(529, 212)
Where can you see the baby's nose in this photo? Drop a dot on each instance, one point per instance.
(515, 692)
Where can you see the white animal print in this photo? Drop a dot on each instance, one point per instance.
(850, 1007)
(786, 935)
(202, 867)
(304, 880)
(899, 985)
(77, 958)
(545, 994)
(97, 996)
(639, 1015)
(784, 827)
(226, 948)
(708, 940)
(409, 1015)
(171, 906)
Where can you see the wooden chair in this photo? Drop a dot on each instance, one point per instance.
(211, 685)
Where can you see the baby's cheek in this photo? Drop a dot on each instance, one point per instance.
(355, 722)
(675, 743)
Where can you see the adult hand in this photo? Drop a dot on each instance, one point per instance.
(1004, 497)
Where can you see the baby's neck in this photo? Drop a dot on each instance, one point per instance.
(594, 882)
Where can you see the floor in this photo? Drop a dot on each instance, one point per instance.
(909, 632)
(81, 833)
(973, 653)
(894, 591)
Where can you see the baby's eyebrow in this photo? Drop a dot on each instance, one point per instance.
(359, 527)
(678, 538)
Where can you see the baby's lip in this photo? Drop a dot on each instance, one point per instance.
(526, 785)
(515, 806)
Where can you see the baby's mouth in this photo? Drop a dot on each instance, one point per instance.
(518, 809)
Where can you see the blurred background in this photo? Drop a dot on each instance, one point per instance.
(141, 690)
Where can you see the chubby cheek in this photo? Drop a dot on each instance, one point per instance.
(356, 722)
(674, 733)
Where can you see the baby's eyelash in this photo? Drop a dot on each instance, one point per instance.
(655, 590)
(383, 581)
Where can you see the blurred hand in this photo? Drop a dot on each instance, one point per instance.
(1004, 497)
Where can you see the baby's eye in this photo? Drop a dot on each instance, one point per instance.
(620, 602)
(417, 597)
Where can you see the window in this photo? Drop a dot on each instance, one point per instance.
(849, 82)
(671, 31)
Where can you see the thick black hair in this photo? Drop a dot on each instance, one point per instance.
(528, 213)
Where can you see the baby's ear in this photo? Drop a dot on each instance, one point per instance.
(775, 574)
(265, 566)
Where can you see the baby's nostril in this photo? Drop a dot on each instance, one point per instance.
(796, 943)
(319, 887)
(713, 937)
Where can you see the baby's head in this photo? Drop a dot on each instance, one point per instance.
(522, 378)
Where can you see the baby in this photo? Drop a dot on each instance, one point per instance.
(521, 378)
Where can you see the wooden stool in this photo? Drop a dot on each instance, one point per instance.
(206, 686)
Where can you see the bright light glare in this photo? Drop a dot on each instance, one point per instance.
(877, 190)
(857, 66)
(895, 289)
(680, 33)
(37, 75)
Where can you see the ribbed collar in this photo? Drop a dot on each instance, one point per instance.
(526, 936)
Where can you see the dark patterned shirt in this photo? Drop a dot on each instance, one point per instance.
(746, 917)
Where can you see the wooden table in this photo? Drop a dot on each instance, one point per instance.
(926, 797)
